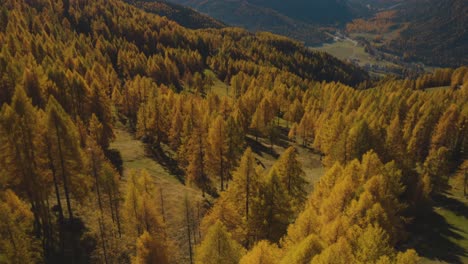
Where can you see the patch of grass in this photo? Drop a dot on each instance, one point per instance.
(342, 49)
(219, 87)
(346, 49)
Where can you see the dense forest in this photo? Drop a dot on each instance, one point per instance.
(74, 72)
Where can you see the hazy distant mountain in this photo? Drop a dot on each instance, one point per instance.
(299, 19)
(185, 16)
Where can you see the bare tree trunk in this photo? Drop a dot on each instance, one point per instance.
(198, 221)
(163, 213)
(116, 205)
(54, 176)
(465, 182)
(247, 193)
(64, 176)
(187, 217)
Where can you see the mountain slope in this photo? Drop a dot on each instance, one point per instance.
(184, 16)
(298, 19)
(429, 31)
(437, 32)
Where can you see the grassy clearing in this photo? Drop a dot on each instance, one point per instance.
(135, 157)
(346, 50)
(219, 87)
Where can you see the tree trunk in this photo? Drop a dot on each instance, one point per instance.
(189, 235)
(247, 193)
(64, 176)
(56, 187)
(162, 205)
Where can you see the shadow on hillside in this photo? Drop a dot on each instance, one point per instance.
(282, 139)
(431, 234)
(166, 162)
(456, 206)
(259, 149)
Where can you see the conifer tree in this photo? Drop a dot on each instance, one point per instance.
(96, 132)
(245, 184)
(295, 112)
(448, 132)
(196, 173)
(304, 251)
(218, 247)
(151, 250)
(305, 129)
(263, 252)
(140, 208)
(359, 141)
(175, 131)
(394, 144)
(270, 210)
(235, 144)
(436, 170)
(419, 143)
(339, 253)
(216, 154)
(101, 108)
(227, 212)
(332, 140)
(292, 176)
(262, 117)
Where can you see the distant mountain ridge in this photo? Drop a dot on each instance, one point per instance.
(298, 19)
(184, 16)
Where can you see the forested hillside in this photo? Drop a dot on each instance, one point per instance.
(436, 32)
(429, 31)
(80, 78)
